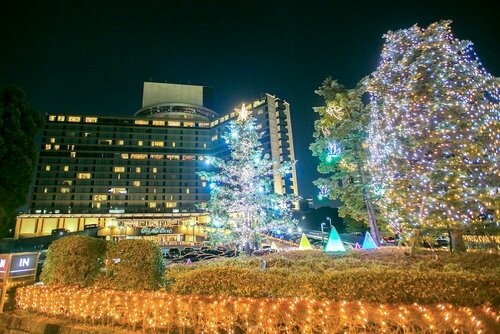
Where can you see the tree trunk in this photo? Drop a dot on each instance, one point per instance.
(415, 241)
(372, 220)
(457, 241)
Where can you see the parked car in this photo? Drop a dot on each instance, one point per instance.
(187, 250)
(59, 231)
(174, 252)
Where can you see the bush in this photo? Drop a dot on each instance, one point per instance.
(74, 260)
(134, 264)
(386, 277)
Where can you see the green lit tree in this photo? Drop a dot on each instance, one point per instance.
(19, 127)
(435, 133)
(242, 202)
(340, 144)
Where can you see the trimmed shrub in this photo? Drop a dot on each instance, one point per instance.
(74, 260)
(134, 264)
(442, 278)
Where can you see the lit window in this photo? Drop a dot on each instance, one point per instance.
(189, 124)
(141, 122)
(140, 143)
(90, 119)
(65, 190)
(137, 169)
(156, 156)
(155, 170)
(52, 140)
(157, 143)
(259, 126)
(170, 123)
(83, 176)
(105, 142)
(48, 147)
(139, 156)
(47, 168)
(56, 147)
(136, 183)
(118, 169)
(214, 138)
(61, 118)
(73, 154)
(214, 122)
(45, 190)
(152, 204)
(87, 134)
(119, 142)
(74, 119)
(187, 190)
(52, 118)
(124, 155)
(66, 168)
(188, 157)
(173, 144)
(260, 112)
(233, 114)
(158, 123)
(226, 117)
(118, 190)
(204, 125)
(170, 204)
(173, 157)
(96, 205)
(204, 145)
(67, 182)
(99, 198)
(203, 184)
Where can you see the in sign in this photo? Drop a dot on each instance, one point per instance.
(24, 262)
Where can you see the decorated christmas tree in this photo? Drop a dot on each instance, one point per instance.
(435, 136)
(243, 204)
(340, 145)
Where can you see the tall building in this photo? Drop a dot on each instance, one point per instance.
(136, 176)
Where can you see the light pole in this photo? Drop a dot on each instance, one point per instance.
(322, 234)
(330, 220)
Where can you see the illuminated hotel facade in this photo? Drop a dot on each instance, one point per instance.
(136, 176)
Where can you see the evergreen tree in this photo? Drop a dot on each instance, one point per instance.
(340, 136)
(19, 126)
(435, 136)
(242, 202)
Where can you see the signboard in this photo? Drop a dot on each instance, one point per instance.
(154, 230)
(17, 268)
(23, 265)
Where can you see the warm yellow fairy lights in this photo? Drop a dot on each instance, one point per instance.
(213, 314)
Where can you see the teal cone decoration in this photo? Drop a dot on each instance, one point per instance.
(368, 243)
(334, 244)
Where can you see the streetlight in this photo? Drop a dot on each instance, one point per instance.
(330, 220)
(322, 234)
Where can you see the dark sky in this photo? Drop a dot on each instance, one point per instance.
(87, 57)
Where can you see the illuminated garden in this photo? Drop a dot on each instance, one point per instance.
(412, 151)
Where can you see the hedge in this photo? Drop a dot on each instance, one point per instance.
(371, 284)
(74, 260)
(134, 264)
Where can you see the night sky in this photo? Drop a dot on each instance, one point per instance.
(85, 57)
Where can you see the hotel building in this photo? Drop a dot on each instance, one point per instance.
(136, 176)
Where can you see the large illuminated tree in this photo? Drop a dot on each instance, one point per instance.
(434, 137)
(242, 202)
(340, 144)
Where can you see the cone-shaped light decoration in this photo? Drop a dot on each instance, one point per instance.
(273, 246)
(368, 243)
(357, 247)
(243, 113)
(189, 262)
(304, 243)
(334, 244)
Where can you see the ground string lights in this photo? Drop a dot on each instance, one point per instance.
(211, 314)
